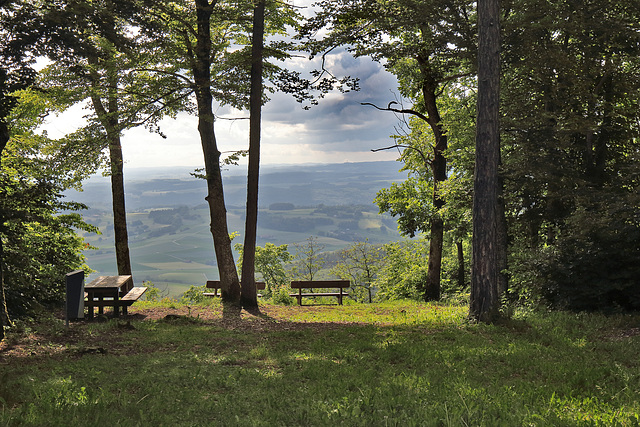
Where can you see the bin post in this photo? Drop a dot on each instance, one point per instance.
(74, 307)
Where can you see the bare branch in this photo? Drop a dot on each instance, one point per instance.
(398, 110)
(408, 147)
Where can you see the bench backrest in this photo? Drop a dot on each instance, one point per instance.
(215, 284)
(313, 284)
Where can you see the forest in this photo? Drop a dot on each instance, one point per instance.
(518, 130)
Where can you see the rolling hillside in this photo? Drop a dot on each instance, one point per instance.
(168, 222)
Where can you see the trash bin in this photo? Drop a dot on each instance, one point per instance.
(75, 295)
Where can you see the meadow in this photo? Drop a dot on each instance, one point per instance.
(388, 364)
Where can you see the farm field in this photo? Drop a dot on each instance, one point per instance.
(332, 202)
(179, 253)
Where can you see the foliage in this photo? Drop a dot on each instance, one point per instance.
(153, 293)
(409, 200)
(39, 227)
(594, 264)
(195, 294)
(361, 364)
(270, 264)
(308, 259)
(360, 263)
(571, 90)
(281, 296)
(404, 271)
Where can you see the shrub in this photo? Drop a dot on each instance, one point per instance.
(195, 294)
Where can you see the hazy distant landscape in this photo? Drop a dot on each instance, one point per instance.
(168, 218)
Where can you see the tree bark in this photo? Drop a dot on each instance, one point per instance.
(121, 234)
(109, 118)
(249, 293)
(485, 298)
(5, 320)
(460, 265)
(230, 285)
(439, 170)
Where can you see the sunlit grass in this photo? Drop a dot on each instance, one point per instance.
(398, 363)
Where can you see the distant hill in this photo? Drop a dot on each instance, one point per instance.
(302, 185)
(168, 220)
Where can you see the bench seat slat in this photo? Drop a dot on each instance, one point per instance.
(321, 294)
(320, 284)
(314, 284)
(134, 294)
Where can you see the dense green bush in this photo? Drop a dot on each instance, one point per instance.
(404, 272)
(596, 265)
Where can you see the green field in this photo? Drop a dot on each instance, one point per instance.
(181, 257)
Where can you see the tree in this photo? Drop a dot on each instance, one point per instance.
(426, 45)
(570, 150)
(39, 226)
(485, 292)
(359, 263)
(249, 294)
(15, 73)
(209, 38)
(270, 263)
(308, 259)
(411, 201)
(93, 61)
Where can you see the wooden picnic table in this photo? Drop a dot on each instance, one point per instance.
(106, 291)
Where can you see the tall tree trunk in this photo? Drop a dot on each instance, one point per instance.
(502, 240)
(5, 320)
(249, 293)
(109, 118)
(485, 298)
(123, 259)
(460, 264)
(439, 170)
(230, 285)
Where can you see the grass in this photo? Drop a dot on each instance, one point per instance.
(397, 364)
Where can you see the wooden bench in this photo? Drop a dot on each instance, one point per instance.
(215, 285)
(320, 284)
(132, 296)
(125, 301)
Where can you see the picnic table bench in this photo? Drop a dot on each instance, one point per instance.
(340, 285)
(111, 291)
(215, 285)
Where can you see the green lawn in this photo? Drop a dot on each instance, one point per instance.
(400, 364)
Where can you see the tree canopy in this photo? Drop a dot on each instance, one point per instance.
(549, 168)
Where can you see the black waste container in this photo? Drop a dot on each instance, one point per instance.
(75, 295)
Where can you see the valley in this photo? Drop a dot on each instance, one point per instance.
(168, 221)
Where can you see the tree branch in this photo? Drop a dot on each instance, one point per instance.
(408, 147)
(398, 110)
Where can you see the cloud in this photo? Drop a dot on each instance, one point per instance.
(339, 129)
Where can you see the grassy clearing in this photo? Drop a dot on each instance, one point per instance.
(398, 364)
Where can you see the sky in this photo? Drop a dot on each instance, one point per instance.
(338, 130)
